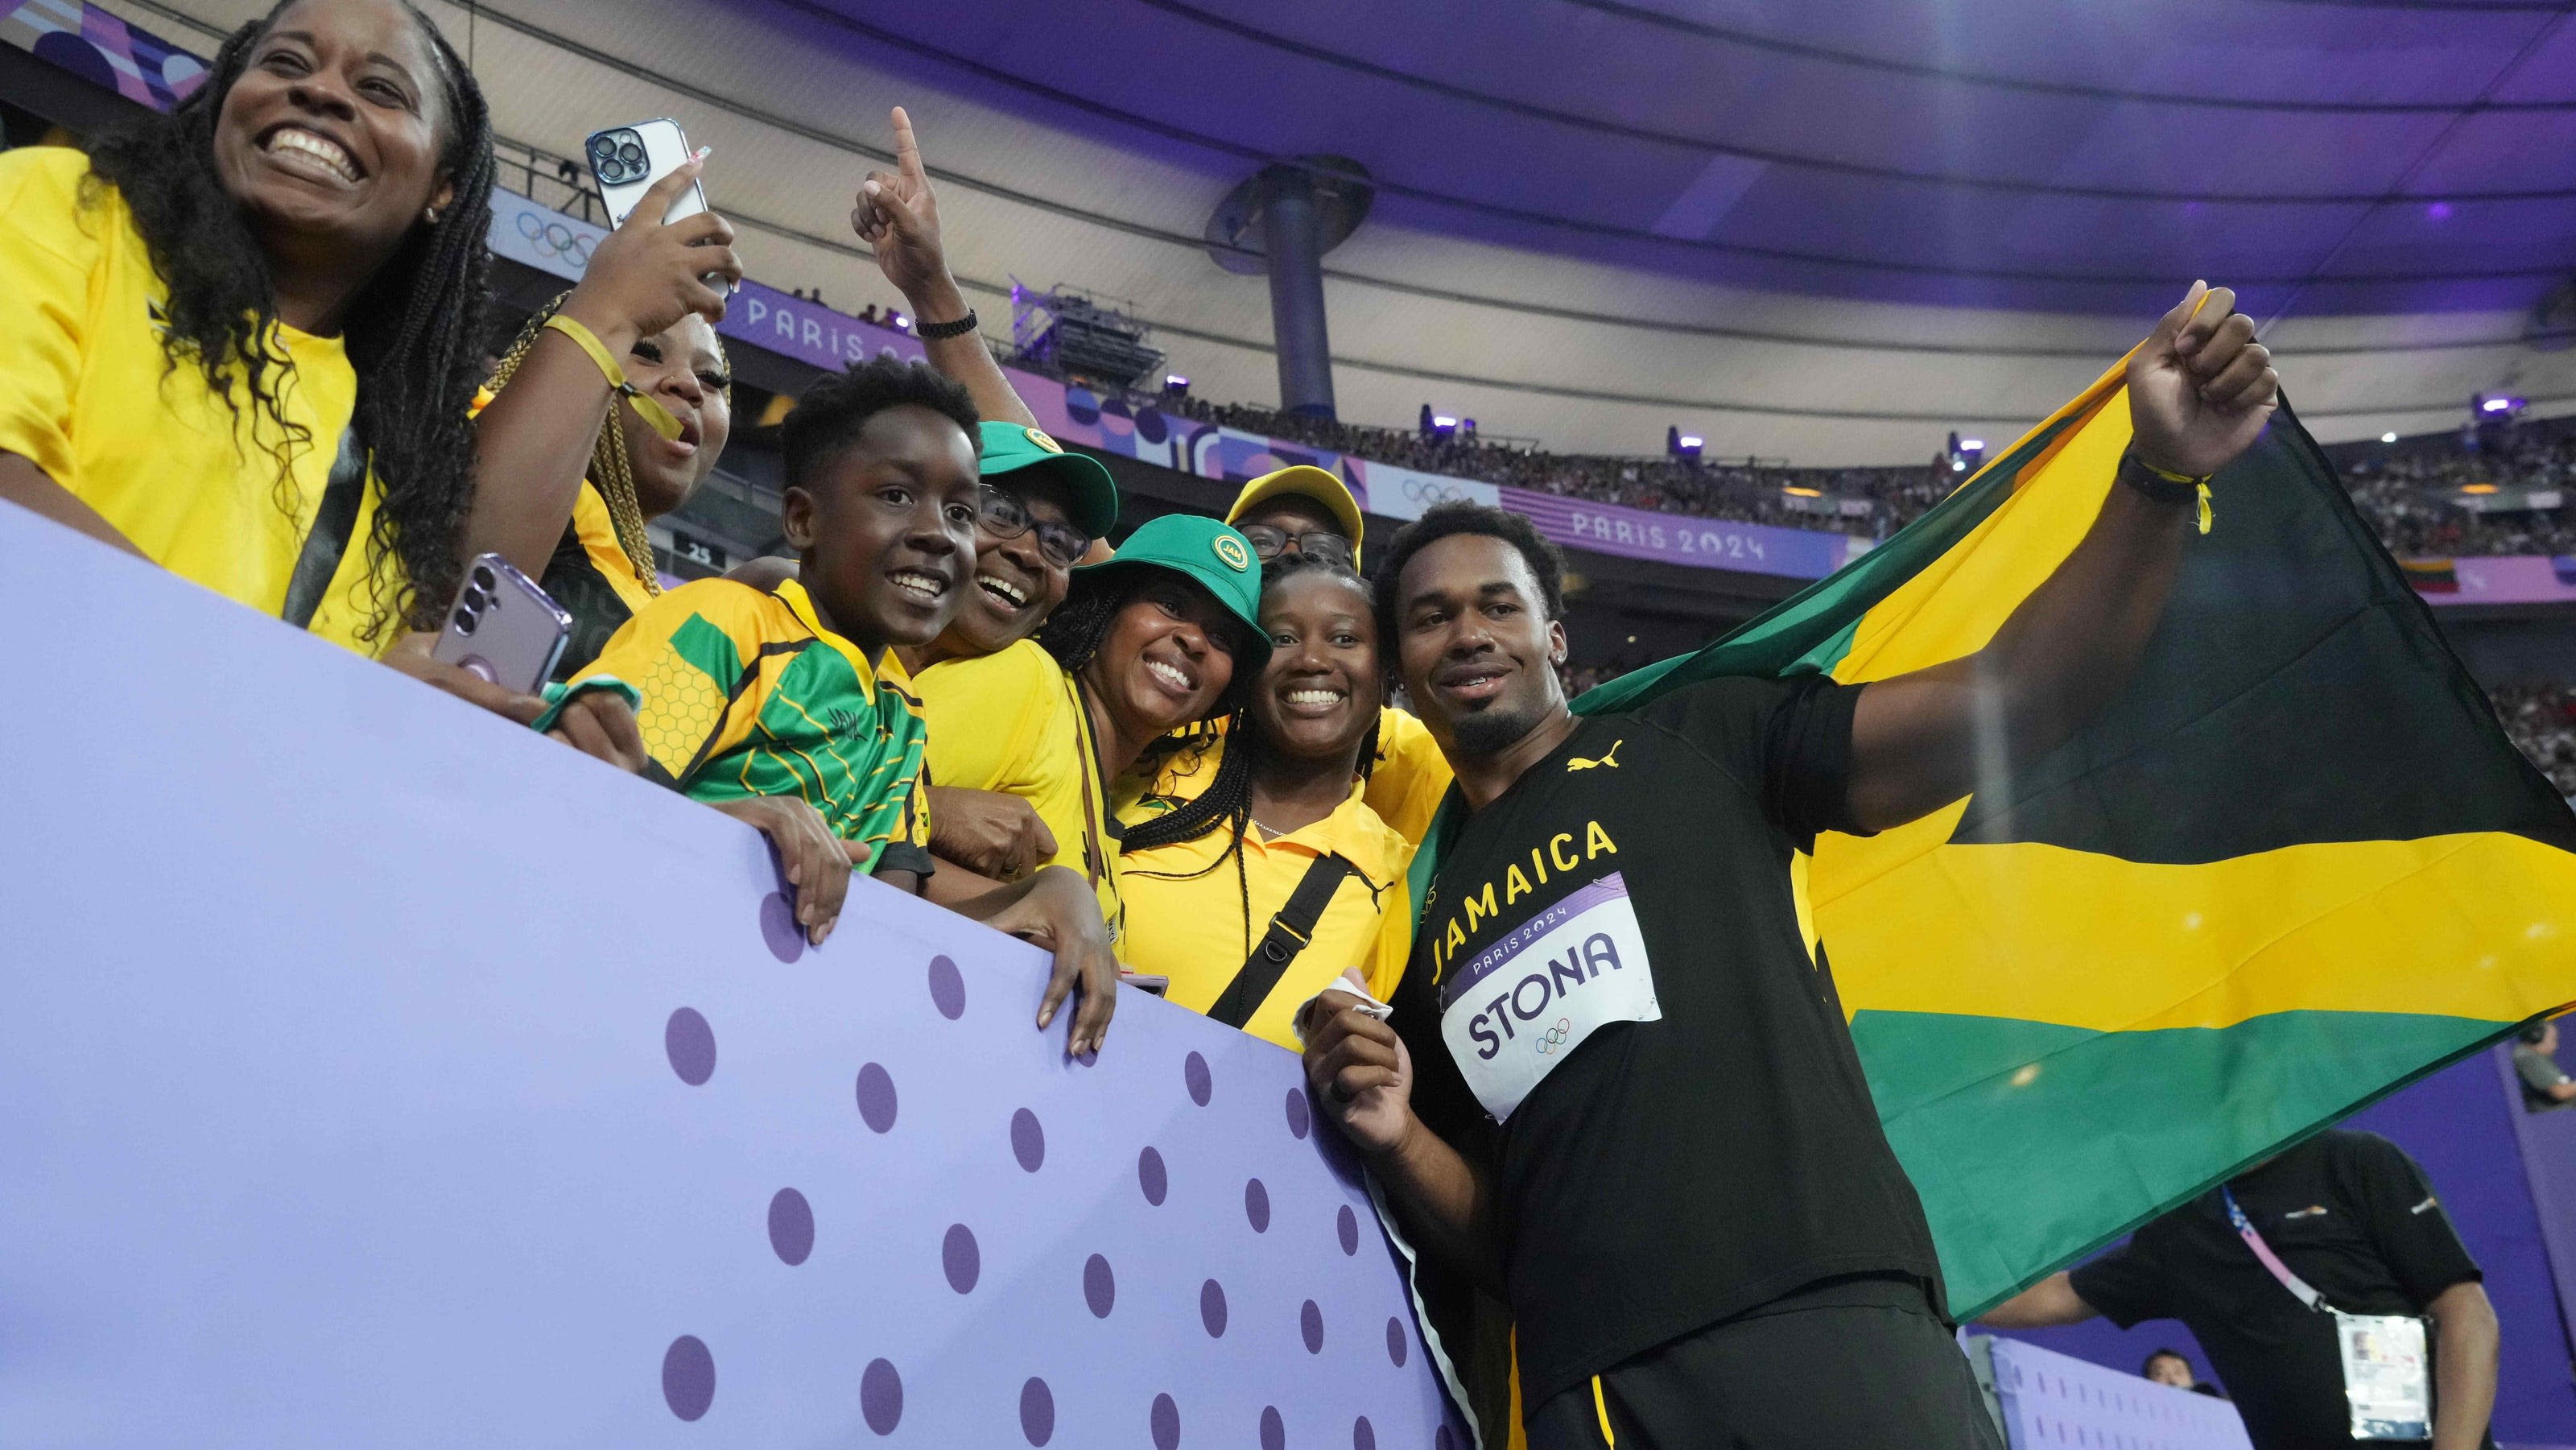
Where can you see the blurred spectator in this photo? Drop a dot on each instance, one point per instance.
(2542, 721)
(2168, 1367)
(2546, 1086)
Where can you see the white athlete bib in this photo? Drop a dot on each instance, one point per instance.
(1521, 1006)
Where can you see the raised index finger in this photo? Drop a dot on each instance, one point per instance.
(657, 199)
(907, 151)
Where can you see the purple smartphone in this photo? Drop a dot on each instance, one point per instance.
(503, 627)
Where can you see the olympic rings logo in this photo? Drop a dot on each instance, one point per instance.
(1429, 491)
(554, 239)
(1552, 1041)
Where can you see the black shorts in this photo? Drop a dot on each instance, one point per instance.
(1850, 1370)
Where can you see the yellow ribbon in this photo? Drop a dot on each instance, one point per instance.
(655, 416)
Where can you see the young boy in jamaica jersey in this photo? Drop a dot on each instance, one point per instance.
(1617, 1087)
(772, 704)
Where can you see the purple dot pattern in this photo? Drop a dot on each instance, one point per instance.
(962, 1260)
(1037, 1411)
(1301, 1116)
(1395, 1341)
(688, 1377)
(1274, 1431)
(778, 928)
(1099, 1287)
(1028, 1141)
(1310, 1326)
(1347, 1225)
(1165, 1423)
(691, 1045)
(791, 1226)
(1212, 1308)
(1194, 1074)
(1151, 1178)
(1256, 1206)
(881, 1396)
(947, 988)
(1363, 1434)
(876, 1100)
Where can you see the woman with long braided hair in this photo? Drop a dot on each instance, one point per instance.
(242, 337)
(601, 569)
(1277, 878)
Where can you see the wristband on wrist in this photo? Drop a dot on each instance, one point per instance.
(935, 330)
(655, 416)
(2166, 486)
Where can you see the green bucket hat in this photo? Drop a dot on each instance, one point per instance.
(1009, 447)
(1209, 554)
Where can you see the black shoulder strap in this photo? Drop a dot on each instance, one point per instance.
(320, 558)
(1289, 932)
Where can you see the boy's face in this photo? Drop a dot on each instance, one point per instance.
(887, 528)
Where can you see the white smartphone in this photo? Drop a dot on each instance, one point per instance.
(503, 627)
(628, 160)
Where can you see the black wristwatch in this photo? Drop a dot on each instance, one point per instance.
(959, 328)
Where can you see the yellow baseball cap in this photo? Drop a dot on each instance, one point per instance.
(1305, 481)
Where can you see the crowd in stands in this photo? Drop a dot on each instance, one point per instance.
(2407, 492)
(2542, 721)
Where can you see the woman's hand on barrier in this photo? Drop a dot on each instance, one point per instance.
(602, 726)
(987, 831)
(814, 861)
(1361, 1071)
(648, 274)
(411, 656)
(1056, 909)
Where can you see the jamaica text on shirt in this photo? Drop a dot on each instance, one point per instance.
(1478, 909)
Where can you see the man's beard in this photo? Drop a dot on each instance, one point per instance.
(1494, 729)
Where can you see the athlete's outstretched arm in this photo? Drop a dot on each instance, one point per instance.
(1361, 1072)
(2200, 389)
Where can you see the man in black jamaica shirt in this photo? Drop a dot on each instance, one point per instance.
(2350, 1214)
(1617, 1087)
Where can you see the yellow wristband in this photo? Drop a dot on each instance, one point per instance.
(655, 416)
(2169, 476)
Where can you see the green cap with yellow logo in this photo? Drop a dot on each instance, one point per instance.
(1211, 555)
(1009, 448)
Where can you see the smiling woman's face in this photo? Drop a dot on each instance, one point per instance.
(330, 140)
(1319, 694)
(1167, 658)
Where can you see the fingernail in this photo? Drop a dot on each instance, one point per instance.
(1045, 1017)
(871, 188)
(703, 153)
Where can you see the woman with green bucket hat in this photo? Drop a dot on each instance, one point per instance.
(1164, 633)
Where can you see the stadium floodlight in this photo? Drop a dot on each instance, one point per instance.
(1972, 445)
(1690, 440)
(1443, 420)
(2387, 437)
(1799, 491)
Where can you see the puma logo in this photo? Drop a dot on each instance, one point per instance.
(1609, 758)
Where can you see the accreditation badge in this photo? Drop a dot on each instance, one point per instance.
(1524, 1004)
(2387, 1377)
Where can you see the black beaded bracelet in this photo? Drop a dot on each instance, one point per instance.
(959, 328)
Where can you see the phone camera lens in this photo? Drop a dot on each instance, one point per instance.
(474, 599)
(464, 621)
(630, 153)
(484, 581)
(603, 145)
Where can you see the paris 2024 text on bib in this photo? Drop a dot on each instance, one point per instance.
(1524, 1004)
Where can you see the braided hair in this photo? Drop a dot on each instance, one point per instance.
(612, 469)
(1227, 801)
(411, 331)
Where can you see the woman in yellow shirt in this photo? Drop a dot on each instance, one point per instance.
(601, 569)
(241, 338)
(1317, 884)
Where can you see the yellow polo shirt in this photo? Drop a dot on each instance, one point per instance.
(1186, 913)
(1013, 721)
(87, 395)
(1405, 784)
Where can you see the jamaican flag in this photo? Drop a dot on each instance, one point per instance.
(2293, 866)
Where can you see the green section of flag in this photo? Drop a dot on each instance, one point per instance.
(2134, 1121)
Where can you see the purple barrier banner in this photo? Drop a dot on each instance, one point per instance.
(2517, 579)
(2051, 1399)
(1676, 539)
(381, 1073)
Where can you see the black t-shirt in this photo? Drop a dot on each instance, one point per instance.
(1663, 1174)
(2348, 1212)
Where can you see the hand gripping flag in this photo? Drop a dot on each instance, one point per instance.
(2293, 866)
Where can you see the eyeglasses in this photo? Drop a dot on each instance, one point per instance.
(1004, 516)
(1269, 542)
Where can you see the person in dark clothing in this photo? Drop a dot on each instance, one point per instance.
(2348, 1213)
(2546, 1086)
(1616, 1085)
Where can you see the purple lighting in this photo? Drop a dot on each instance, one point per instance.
(2438, 211)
